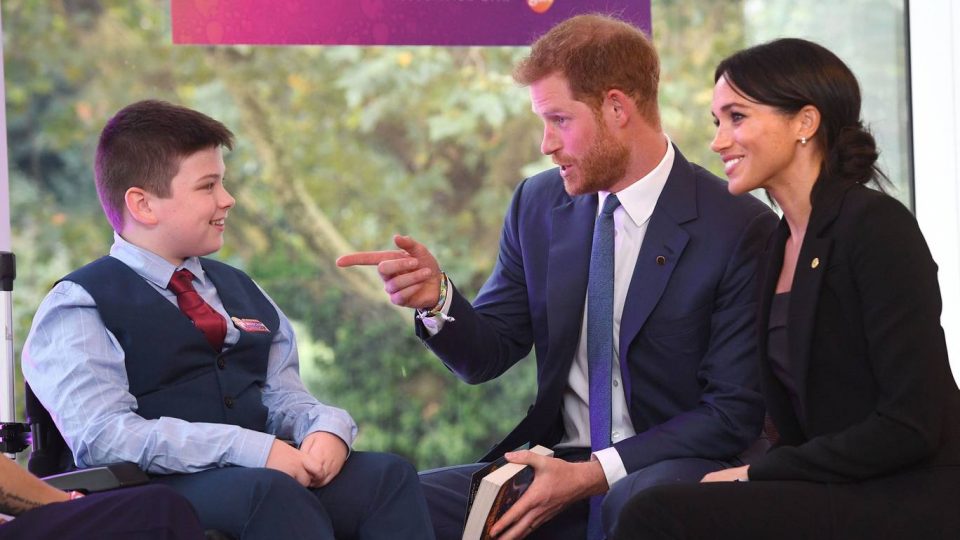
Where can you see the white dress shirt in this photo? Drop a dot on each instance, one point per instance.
(630, 221)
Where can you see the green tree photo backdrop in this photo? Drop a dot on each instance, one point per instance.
(338, 148)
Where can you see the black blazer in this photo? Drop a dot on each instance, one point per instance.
(865, 346)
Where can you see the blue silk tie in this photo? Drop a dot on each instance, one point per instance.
(600, 359)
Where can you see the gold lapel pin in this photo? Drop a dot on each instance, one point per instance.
(815, 262)
(661, 260)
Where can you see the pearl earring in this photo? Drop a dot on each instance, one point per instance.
(803, 141)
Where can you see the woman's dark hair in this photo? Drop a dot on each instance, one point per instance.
(791, 73)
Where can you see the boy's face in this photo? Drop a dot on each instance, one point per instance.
(191, 221)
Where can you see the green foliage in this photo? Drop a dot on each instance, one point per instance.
(692, 38)
(338, 148)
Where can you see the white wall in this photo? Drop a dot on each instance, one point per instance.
(935, 86)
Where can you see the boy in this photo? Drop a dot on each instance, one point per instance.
(186, 367)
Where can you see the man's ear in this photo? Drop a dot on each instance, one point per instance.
(137, 201)
(619, 106)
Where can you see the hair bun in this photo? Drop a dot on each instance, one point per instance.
(854, 155)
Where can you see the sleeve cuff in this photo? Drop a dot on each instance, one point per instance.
(434, 323)
(612, 463)
(336, 421)
(253, 449)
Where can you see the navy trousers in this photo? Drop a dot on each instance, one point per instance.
(447, 493)
(375, 496)
(145, 513)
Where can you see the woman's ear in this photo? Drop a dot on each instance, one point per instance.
(808, 120)
(137, 201)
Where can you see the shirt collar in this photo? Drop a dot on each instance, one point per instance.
(149, 265)
(640, 198)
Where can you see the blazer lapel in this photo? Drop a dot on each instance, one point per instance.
(812, 264)
(813, 261)
(567, 274)
(663, 244)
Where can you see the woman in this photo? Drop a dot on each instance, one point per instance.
(854, 367)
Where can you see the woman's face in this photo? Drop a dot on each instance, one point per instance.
(757, 143)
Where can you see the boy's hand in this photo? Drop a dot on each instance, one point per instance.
(328, 450)
(300, 465)
(411, 275)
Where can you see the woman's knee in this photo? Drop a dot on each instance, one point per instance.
(648, 514)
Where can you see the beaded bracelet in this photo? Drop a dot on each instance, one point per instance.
(437, 310)
(443, 295)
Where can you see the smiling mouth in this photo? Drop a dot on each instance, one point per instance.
(218, 222)
(730, 164)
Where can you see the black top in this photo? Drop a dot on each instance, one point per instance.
(778, 350)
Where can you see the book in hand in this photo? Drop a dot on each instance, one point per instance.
(493, 490)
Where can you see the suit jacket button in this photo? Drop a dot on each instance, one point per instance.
(228, 401)
(221, 363)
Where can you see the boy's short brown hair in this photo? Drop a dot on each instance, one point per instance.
(143, 145)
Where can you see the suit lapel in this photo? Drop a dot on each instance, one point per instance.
(567, 275)
(812, 264)
(662, 247)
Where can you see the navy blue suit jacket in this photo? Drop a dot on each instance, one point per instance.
(687, 343)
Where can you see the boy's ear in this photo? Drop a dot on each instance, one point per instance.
(137, 201)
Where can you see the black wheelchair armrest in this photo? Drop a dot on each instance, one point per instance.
(94, 479)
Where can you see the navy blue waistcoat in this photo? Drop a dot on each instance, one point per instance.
(172, 369)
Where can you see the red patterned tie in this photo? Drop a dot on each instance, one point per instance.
(204, 317)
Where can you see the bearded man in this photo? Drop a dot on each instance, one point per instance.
(629, 270)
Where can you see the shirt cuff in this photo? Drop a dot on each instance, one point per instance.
(435, 323)
(341, 425)
(252, 450)
(612, 464)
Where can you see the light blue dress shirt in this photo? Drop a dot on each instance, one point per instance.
(75, 366)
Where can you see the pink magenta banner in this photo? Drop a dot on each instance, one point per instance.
(383, 22)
